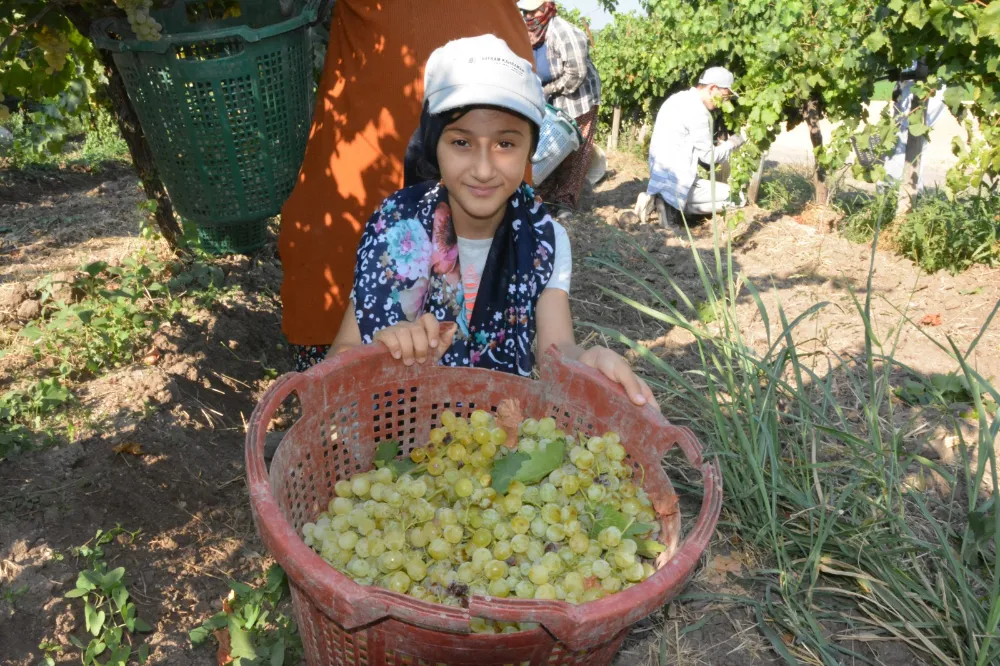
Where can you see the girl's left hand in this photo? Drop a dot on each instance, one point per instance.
(617, 369)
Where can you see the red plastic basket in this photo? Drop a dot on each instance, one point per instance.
(351, 403)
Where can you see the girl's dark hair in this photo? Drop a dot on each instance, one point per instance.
(420, 163)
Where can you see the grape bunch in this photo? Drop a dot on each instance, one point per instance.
(550, 516)
(55, 47)
(143, 25)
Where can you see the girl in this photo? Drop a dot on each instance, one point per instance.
(467, 268)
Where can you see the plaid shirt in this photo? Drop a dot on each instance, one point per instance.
(575, 87)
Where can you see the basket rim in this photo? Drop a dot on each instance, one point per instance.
(340, 598)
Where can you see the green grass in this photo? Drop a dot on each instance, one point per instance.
(818, 476)
(951, 235)
(93, 142)
(785, 190)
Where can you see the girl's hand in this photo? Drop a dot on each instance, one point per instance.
(617, 369)
(418, 340)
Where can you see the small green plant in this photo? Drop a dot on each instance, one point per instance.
(951, 235)
(49, 652)
(109, 615)
(22, 411)
(786, 191)
(258, 632)
(103, 141)
(11, 594)
(862, 212)
(944, 390)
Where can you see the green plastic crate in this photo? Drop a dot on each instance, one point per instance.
(225, 105)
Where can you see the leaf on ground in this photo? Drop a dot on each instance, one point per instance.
(931, 320)
(717, 570)
(131, 448)
(509, 417)
(608, 516)
(240, 645)
(222, 655)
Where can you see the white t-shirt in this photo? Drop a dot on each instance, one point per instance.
(472, 255)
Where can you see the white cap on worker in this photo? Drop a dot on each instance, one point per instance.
(482, 71)
(530, 5)
(719, 77)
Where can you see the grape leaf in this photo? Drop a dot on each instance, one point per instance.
(608, 516)
(541, 462)
(505, 469)
(385, 456)
(649, 549)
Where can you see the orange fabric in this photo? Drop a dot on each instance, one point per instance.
(367, 107)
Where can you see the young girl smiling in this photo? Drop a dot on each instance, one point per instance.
(467, 268)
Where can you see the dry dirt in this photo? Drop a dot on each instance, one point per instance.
(187, 494)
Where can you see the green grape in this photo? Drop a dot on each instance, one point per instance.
(399, 582)
(571, 484)
(525, 589)
(601, 569)
(556, 477)
(628, 546)
(394, 499)
(516, 488)
(366, 526)
(480, 557)
(555, 533)
(502, 550)
(596, 445)
(467, 572)
(383, 476)
(546, 426)
(439, 549)
(502, 532)
(360, 486)
(347, 540)
(343, 489)
(648, 569)
(567, 556)
(615, 452)
(596, 492)
(490, 517)
(463, 488)
(538, 527)
(376, 546)
(623, 560)
(528, 511)
(545, 591)
(390, 561)
(495, 569)
(612, 584)
(579, 543)
(340, 524)
(341, 506)
(482, 537)
(527, 445)
(488, 448)
(415, 568)
(529, 427)
(362, 550)
(395, 539)
(453, 534)
(435, 466)
(552, 562)
(432, 531)
(519, 543)
(539, 574)
(535, 550)
(551, 514)
(634, 572)
(500, 588)
(456, 452)
(511, 503)
(520, 524)
(610, 537)
(451, 476)
(573, 527)
(548, 492)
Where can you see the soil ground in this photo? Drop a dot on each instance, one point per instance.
(188, 410)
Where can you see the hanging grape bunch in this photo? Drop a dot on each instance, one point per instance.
(143, 25)
(537, 514)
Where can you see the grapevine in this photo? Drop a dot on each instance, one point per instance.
(55, 47)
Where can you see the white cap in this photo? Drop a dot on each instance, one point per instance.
(482, 71)
(530, 5)
(719, 77)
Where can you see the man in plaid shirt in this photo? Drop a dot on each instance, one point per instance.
(571, 84)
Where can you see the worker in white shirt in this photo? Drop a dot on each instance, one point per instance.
(682, 137)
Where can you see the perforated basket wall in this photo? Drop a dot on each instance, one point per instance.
(350, 404)
(558, 137)
(226, 119)
(234, 238)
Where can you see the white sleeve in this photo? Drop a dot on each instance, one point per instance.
(562, 263)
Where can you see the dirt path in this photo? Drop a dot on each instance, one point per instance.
(187, 494)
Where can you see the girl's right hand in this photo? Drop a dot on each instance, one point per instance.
(418, 340)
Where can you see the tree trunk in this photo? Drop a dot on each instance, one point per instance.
(754, 187)
(911, 164)
(812, 115)
(128, 124)
(616, 125)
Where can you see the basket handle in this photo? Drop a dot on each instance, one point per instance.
(100, 33)
(557, 370)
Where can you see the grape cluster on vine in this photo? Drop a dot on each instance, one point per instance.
(143, 25)
(459, 521)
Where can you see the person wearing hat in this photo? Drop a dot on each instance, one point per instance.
(571, 84)
(682, 137)
(466, 268)
(368, 105)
